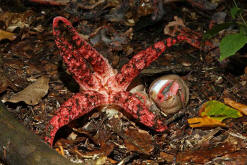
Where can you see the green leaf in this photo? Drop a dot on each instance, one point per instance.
(219, 111)
(243, 29)
(231, 43)
(235, 11)
(216, 29)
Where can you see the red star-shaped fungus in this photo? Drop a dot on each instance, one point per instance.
(103, 85)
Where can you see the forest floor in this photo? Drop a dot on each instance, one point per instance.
(118, 30)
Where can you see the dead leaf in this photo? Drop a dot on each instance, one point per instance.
(14, 20)
(212, 114)
(32, 94)
(138, 140)
(238, 157)
(4, 83)
(104, 150)
(6, 35)
(172, 27)
(204, 155)
(204, 122)
(60, 149)
(241, 107)
(168, 157)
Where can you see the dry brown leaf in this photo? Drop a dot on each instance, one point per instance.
(105, 150)
(168, 157)
(204, 122)
(138, 140)
(4, 83)
(6, 35)
(205, 154)
(171, 27)
(14, 20)
(241, 107)
(32, 94)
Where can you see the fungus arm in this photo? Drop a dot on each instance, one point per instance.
(76, 52)
(134, 107)
(75, 107)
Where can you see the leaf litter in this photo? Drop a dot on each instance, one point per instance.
(35, 53)
(33, 93)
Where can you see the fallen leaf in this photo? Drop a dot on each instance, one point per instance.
(204, 122)
(212, 114)
(32, 94)
(238, 157)
(104, 150)
(17, 20)
(60, 149)
(4, 83)
(138, 140)
(173, 26)
(168, 157)
(205, 154)
(6, 35)
(218, 111)
(241, 107)
(101, 160)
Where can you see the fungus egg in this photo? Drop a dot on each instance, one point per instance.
(170, 93)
